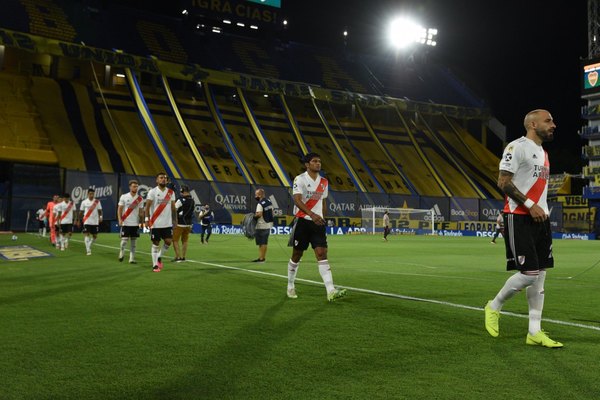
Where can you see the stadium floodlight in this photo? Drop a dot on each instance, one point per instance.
(404, 32)
(226, 21)
(345, 33)
(285, 22)
(253, 27)
(240, 24)
(184, 12)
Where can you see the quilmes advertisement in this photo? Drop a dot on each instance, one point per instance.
(104, 185)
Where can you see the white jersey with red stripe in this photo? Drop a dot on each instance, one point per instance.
(158, 197)
(529, 163)
(66, 217)
(313, 192)
(93, 218)
(125, 201)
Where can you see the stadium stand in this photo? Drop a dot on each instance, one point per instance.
(234, 132)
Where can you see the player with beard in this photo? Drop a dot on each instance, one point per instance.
(524, 173)
(161, 215)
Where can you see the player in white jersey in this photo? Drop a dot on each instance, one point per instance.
(386, 225)
(524, 172)
(65, 215)
(310, 191)
(130, 211)
(42, 221)
(161, 215)
(90, 215)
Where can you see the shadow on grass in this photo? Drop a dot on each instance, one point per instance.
(215, 374)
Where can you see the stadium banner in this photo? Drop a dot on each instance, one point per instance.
(404, 201)
(226, 199)
(489, 209)
(41, 45)
(365, 200)
(236, 10)
(578, 219)
(342, 204)
(464, 209)
(440, 205)
(105, 188)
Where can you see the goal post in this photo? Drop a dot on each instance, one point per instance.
(402, 220)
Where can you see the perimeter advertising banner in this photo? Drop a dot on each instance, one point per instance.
(463, 209)
(105, 188)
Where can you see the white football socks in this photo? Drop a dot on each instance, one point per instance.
(325, 271)
(535, 298)
(155, 254)
(292, 271)
(132, 252)
(513, 285)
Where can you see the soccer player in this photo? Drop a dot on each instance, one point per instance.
(386, 225)
(524, 172)
(65, 214)
(160, 217)
(264, 223)
(206, 217)
(499, 227)
(310, 191)
(42, 221)
(50, 218)
(129, 213)
(185, 213)
(90, 215)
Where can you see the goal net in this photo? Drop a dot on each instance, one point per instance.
(402, 220)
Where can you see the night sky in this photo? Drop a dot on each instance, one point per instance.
(516, 55)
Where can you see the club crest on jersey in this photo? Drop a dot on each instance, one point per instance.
(521, 260)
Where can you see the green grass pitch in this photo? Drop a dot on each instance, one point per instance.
(220, 327)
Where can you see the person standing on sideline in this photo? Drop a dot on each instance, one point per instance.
(185, 214)
(524, 173)
(310, 191)
(264, 223)
(160, 218)
(206, 217)
(42, 221)
(50, 218)
(65, 213)
(130, 212)
(386, 225)
(499, 226)
(90, 215)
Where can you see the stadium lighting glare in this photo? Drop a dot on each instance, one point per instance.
(285, 22)
(240, 24)
(253, 27)
(404, 32)
(216, 29)
(226, 21)
(120, 75)
(184, 12)
(345, 33)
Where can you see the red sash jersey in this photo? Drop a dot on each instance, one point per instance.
(529, 163)
(313, 192)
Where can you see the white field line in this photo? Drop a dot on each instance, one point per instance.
(375, 292)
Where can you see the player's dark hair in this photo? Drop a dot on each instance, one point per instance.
(310, 156)
(133, 181)
(185, 188)
(161, 173)
(91, 190)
